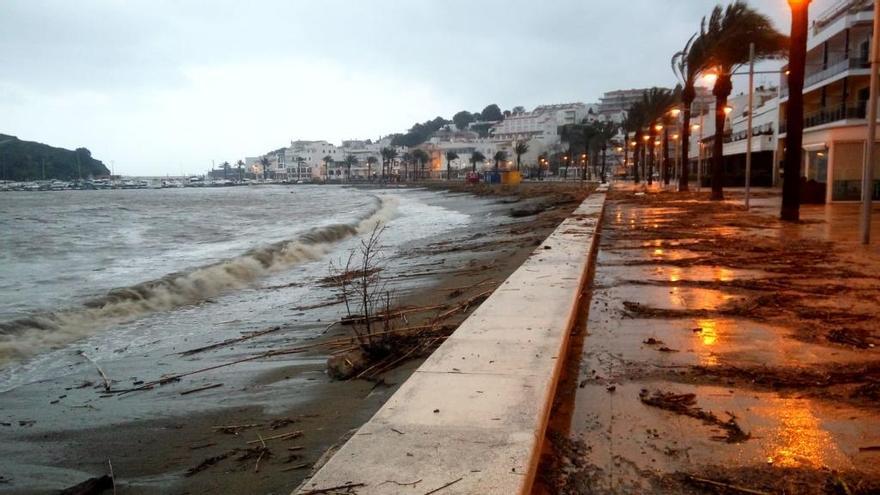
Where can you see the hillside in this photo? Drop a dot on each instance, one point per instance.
(27, 160)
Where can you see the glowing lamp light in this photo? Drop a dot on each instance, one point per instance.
(695, 127)
(646, 137)
(675, 112)
(675, 136)
(709, 78)
(658, 127)
(728, 110)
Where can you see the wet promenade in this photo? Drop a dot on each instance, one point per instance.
(724, 351)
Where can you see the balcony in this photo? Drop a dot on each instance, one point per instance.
(832, 70)
(830, 114)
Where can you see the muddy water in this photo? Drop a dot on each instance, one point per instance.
(712, 307)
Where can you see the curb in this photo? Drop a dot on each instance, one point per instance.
(472, 418)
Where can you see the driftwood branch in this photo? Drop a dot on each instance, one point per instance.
(447, 485)
(333, 488)
(726, 485)
(206, 387)
(100, 371)
(229, 342)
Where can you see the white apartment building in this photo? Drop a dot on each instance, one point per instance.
(540, 125)
(765, 125)
(309, 157)
(835, 93)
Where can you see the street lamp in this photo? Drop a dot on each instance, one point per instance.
(797, 58)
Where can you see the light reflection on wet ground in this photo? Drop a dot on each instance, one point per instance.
(626, 353)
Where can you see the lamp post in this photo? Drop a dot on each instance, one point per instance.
(870, 153)
(791, 201)
(749, 123)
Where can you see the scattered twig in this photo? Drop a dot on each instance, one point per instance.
(292, 434)
(726, 485)
(447, 485)
(202, 446)
(100, 371)
(412, 483)
(210, 461)
(229, 342)
(260, 458)
(112, 476)
(234, 429)
(206, 387)
(333, 488)
(295, 468)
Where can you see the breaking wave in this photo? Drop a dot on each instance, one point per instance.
(25, 337)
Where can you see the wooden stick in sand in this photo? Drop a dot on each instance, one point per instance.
(100, 371)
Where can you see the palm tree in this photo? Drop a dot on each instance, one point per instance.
(371, 160)
(225, 167)
(634, 122)
(476, 157)
(602, 132)
(405, 160)
(388, 155)
(350, 161)
(655, 103)
(687, 65)
(450, 156)
(520, 148)
(727, 34)
(240, 170)
(264, 163)
(327, 161)
(421, 156)
(499, 157)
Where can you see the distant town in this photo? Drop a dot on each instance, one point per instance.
(575, 140)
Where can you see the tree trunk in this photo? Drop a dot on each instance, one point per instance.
(651, 155)
(604, 150)
(637, 155)
(666, 171)
(791, 184)
(721, 91)
(685, 145)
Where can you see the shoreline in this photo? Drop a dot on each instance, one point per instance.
(156, 452)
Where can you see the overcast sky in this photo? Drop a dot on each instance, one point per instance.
(164, 87)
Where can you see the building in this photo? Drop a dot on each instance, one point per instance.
(307, 159)
(540, 125)
(836, 89)
(765, 125)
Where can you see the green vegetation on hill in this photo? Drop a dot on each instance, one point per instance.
(27, 160)
(421, 132)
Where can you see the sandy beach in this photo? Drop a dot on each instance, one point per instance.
(263, 425)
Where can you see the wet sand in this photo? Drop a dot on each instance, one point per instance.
(63, 431)
(723, 352)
